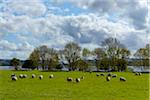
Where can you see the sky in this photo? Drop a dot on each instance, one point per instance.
(27, 24)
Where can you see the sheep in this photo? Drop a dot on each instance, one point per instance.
(25, 76)
(97, 74)
(122, 79)
(102, 74)
(51, 76)
(108, 78)
(140, 74)
(77, 80)
(69, 79)
(114, 75)
(136, 73)
(82, 77)
(12, 75)
(33, 76)
(109, 74)
(40, 77)
(21, 76)
(14, 78)
(90, 72)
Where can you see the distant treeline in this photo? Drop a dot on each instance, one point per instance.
(111, 55)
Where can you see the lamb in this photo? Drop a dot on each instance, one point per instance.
(108, 78)
(69, 79)
(33, 76)
(51, 76)
(77, 80)
(114, 75)
(40, 77)
(14, 78)
(122, 79)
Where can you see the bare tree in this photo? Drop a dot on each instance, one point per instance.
(72, 54)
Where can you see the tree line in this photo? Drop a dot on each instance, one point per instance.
(110, 56)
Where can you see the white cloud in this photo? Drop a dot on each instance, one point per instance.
(130, 25)
(9, 46)
(32, 8)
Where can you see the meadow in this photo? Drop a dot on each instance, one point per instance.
(57, 88)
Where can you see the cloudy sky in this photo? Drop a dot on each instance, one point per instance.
(26, 24)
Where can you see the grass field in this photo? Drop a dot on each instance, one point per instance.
(91, 88)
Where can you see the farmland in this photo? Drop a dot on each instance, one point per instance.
(57, 88)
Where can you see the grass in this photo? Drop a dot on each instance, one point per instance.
(91, 88)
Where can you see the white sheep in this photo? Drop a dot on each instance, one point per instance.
(108, 78)
(33, 76)
(51, 76)
(97, 74)
(25, 76)
(14, 78)
(40, 77)
(77, 80)
(69, 79)
(109, 74)
(114, 75)
(140, 74)
(12, 75)
(21, 76)
(102, 74)
(136, 73)
(122, 79)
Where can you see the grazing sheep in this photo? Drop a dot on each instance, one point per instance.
(108, 78)
(136, 73)
(114, 75)
(109, 74)
(82, 77)
(122, 79)
(102, 74)
(97, 74)
(25, 76)
(14, 78)
(21, 76)
(33, 76)
(69, 79)
(51, 76)
(90, 72)
(40, 77)
(140, 74)
(12, 75)
(77, 80)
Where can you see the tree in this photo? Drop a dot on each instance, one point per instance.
(34, 59)
(45, 57)
(99, 53)
(114, 51)
(29, 64)
(54, 62)
(82, 65)
(144, 55)
(86, 52)
(15, 62)
(72, 54)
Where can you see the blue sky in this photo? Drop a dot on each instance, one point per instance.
(26, 24)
